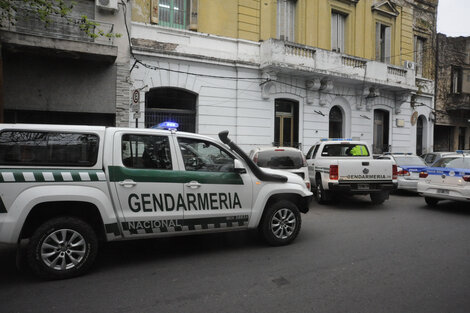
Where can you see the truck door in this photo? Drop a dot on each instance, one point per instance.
(146, 185)
(216, 196)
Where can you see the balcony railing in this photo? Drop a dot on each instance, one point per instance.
(286, 57)
(458, 102)
(71, 28)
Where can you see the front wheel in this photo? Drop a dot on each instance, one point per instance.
(62, 248)
(281, 223)
(432, 202)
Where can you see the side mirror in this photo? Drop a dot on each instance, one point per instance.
(238, 167)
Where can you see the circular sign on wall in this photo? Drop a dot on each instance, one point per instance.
(414, 118)
(136, 96)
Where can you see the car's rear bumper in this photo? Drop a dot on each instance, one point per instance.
(362, 187)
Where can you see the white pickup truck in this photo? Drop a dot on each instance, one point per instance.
(346, 166)
(64, 189)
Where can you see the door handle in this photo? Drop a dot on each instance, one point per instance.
(193, 184)
(127, 183)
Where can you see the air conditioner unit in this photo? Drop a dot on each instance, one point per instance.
(410, 65)
(110, 5)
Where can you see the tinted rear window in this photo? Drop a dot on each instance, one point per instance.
(345, 150)
(34, 148)
(280, 159)
(455, 162)
(409, 161)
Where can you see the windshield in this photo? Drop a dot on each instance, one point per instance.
(345, 150)
(409, 161)
(280, 159)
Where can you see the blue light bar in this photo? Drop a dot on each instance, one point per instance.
(167, 125)
(336, 139)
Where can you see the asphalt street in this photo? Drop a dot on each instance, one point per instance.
(349, 257)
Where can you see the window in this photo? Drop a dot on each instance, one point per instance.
(286, 123)
(146, 151)
(171, 13)
(286, 20)
(345, 150)
(419, 55)
(383, 43)
(48, 148)
(171, 104)
(455, 162)
(456, 84)
(338, 21)
(461, 143)
(285, 159)
(204, 156)
(335, 123)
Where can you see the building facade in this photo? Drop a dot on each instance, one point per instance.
(57, 73)
(452, 129)
(282, 72)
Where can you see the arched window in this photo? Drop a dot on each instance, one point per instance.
(336, 123)
(171, 104)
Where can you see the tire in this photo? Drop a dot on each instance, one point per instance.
(61, 248)
(378, 197)
(321, 195)
(432, 202)
(281, 223)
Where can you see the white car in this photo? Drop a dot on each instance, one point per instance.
(282, 158)
(448, 179)
(409, 167)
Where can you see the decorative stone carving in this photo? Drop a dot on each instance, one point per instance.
(326, 86)
(312, 86)
(400, 99)
(266, 86)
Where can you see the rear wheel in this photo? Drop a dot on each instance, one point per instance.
(61, 248)
(379, 197)
(281, 223)
(432, 202)
(321, 195)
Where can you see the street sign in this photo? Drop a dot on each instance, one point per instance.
(136, 96)
(135, 107)
(137, 115)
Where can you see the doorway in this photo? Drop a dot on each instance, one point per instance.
(381, 131)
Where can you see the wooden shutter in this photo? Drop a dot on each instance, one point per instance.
(334, 32)
(388, 44)
(377, 41)
(341, 19)
(154, 11)
(193, 10)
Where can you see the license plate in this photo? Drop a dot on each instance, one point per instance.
(443, 191)
(362, 186)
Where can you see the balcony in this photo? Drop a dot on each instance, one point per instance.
(289, 58)
(458, 103)
(62, 35)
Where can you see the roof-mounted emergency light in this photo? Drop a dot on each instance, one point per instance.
(336, 139)
(167, 125)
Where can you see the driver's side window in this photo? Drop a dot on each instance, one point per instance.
(204, 156)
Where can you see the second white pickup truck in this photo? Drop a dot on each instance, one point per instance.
(347, 166)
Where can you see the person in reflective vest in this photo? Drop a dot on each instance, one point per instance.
(359, 150)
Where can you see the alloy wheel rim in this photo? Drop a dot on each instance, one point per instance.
(283, 223)
(63, 249)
